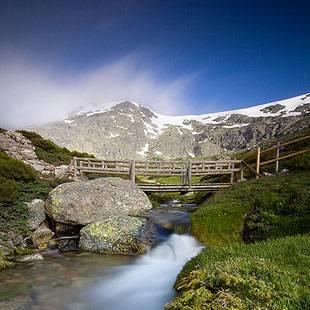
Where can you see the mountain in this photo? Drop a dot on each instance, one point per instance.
(130, 131)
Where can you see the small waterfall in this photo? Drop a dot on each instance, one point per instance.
(148, 283)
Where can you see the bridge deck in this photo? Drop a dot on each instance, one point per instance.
(182, 188)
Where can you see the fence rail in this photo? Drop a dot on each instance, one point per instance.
(278, 158)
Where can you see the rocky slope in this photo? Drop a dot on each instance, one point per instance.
(131, 131)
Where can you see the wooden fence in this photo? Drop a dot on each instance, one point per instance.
(278, 158)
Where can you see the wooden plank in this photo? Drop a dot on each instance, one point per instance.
(251, 169)
(241, 172)
(277, 157)
(257, 162)
(283, 157)
(66, 170)
(108, 170)
(105, 172)
(74, 168)
(132, 174)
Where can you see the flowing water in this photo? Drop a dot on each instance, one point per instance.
(87, 281)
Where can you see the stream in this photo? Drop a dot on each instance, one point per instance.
(88, 281)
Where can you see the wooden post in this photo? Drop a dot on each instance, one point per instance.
(189, 173)
(183, 178)
(241, 172)
(75, 169)
(132, 174)
(277, 157)
(232, 176)
(257, 162)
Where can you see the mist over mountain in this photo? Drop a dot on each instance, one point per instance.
(128, 130)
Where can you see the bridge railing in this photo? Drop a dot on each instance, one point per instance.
(183, 168)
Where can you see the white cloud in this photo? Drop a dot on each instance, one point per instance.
(31, 93)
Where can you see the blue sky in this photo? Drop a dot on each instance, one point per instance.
(175, 57)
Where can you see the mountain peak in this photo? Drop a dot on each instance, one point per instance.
(127, 130)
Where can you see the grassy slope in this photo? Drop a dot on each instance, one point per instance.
(269, 207)
(271, 274)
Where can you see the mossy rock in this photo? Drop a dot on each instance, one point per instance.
(124, 235)
(82, 203)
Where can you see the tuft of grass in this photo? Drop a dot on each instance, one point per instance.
(272, 274)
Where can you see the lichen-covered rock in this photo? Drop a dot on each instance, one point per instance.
(41, 236)
(81, 203)
(117, 235)
(36, 213)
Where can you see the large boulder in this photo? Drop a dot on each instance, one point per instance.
(82, 203)
(117, 235)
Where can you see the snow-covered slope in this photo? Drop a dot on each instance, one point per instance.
(129, 130)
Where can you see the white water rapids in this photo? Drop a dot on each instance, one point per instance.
(147, 284)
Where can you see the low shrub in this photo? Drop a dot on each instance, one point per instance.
(8, 191)
(14, 169)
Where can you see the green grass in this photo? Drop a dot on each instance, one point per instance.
(50, 152)
(166, 180)
(255, 210)
(272, 274)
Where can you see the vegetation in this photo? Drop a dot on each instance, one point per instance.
(49, 151)
(255, 210)
(19, 183)
(271, 273)
(265, 275)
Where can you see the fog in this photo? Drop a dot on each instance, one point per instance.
(33, 93)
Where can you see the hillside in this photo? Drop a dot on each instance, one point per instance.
(271, 273)
(131, 131)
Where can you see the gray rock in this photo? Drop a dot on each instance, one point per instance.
(81, 203)
(41, 236)
(19, 147)
(68, 245)
(36, 213)
(117, 235)
(30, 257)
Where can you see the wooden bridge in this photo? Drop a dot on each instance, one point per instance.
(185, 169)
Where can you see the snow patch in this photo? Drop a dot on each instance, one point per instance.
(144, 150)
(112, 135)
(236, 125)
